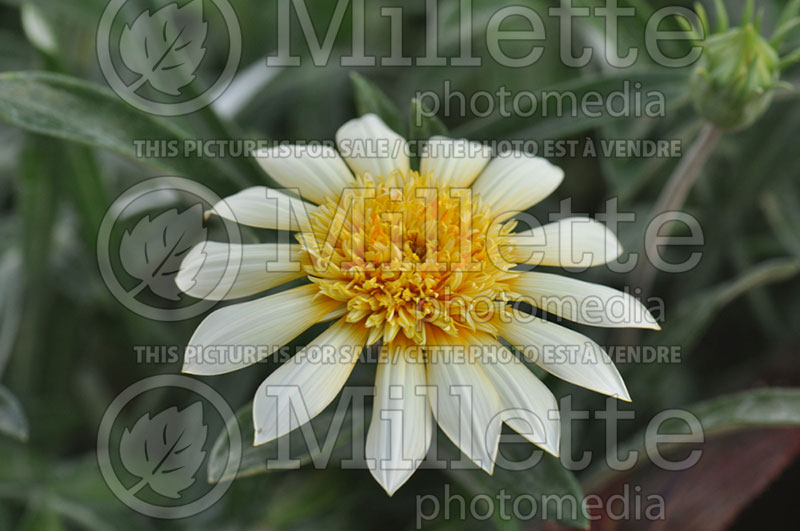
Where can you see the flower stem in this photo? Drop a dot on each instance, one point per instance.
(672, 197)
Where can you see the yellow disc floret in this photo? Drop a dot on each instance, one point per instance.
(405, 254)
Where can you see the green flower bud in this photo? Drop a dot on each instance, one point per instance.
(739, 70)
(735, 79)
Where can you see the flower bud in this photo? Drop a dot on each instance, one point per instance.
(735, 79)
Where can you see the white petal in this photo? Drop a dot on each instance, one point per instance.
(369, 146)
(302, 387)
(465, 403)
(529, 407)
(515, 181)
(564, 353)
(264, 208)
(455, 162)
(583, 302)
(219, 271)
(400, 431)
(317, 170)
(258, 328)
(570, 242)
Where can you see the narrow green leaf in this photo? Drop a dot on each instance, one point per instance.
(87, 190)
(782, 31)
(762, 306)
(12, 419)
(789, 12)
(782, 211)
(39, 199)
(69, 108)
(754, 408)
(703, 16)
(422, 125)
(722, 16)
(694, 314)
(73, 489)
(370, 99)
(547, 479)
(10, 302)
(688, 28)
(39, 196)
(789, 60)
(41, 518)
(749, 8)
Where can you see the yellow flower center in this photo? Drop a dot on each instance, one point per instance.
(406, 254)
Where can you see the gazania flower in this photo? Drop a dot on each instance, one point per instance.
(424, 264)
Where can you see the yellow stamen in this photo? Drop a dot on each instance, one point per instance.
(405, 254)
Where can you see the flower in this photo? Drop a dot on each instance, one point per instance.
(423, 263)
(739, 70)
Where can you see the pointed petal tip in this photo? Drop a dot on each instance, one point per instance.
(260, 437)
(555, 448)
(389, 484)
(194, 369)
(551, 448)
(653, 324)
(202, 369)
(390, 489)
(625, 398)
(552, 451)
(480, 463)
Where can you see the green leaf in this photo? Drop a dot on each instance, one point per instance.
(694, 314)
(782, 211)
(39, 195)
(749, 8)
(722, 16)
(545, 480)
(789, 11)
(422, 126)
(88, 190)
(326, 432)
(39, 199)
(10, 302)
(754, 408)
(370, 99)
(73, 489)
(12, 420)
(653, 383)
(41, 518)
(64, 107)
